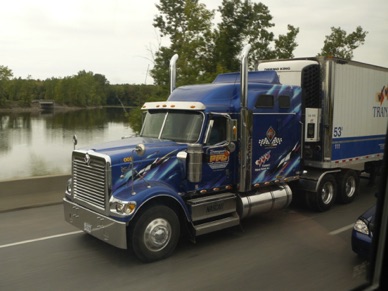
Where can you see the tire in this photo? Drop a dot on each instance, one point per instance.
(348, 182)
(324, 198)
(155, 234)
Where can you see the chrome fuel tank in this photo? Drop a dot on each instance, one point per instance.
(265, 200)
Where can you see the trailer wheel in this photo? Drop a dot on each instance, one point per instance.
(349, 185)
(324, 198)
(155, 234)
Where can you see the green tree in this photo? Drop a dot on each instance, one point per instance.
(51, 89)
(26, 91)
(160, 72)
(286, 44)
(116, 94)
(244, 22)
(230, 35)
(5, 75)
(257, 31)
(135, 119)
(187, 24)
(204, 52)
(341, 44)
(83, 89)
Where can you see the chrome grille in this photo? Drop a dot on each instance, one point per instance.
(90, 176)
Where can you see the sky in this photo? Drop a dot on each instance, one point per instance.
(42, 39)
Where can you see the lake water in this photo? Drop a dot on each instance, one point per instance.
(38, 144)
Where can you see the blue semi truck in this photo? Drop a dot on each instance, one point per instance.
(214, 154)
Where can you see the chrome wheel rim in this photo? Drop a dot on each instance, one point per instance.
(350, 186)
(157, 234)
(327, 193)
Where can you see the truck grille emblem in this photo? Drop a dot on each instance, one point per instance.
(87, 160)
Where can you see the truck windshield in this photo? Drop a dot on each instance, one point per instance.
(180, 126)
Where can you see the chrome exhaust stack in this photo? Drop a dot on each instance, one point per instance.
(245, 125)
(173, 72)
(244, 75)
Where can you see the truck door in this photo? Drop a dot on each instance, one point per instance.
(219, 156)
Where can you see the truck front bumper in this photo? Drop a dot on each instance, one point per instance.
(102, 227)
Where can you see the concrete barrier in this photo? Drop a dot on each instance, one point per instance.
(32, 192)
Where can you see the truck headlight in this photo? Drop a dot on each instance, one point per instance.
(122, 207)
(125, 208)
(361, 226)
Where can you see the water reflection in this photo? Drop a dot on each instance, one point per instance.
(35, 144)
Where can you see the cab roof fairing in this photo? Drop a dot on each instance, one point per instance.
(219, 97)
(216, 97)
(223, 95)
(262, 77)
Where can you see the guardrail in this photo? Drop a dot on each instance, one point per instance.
(32, 192)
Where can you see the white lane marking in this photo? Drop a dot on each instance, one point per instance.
(334, 232)
(342, 229)
(39, 239)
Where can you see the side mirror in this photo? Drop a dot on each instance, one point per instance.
(231, 133)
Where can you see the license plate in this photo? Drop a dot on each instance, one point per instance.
(87, 227)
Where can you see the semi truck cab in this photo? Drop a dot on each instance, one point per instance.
(214, 154)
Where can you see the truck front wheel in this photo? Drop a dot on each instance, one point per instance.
(324, 198)
(155, 234)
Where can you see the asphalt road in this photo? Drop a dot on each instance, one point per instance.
(293, 249)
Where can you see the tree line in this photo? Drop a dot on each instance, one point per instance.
(205, 49)
(84, 89)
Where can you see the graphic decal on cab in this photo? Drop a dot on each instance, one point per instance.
(270, 140)
(261, 162)
(218, 159)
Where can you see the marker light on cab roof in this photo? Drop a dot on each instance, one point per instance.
(182, 105)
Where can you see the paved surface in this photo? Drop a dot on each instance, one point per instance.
(33, 192)
(292, 249)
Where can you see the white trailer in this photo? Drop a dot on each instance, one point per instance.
(345, 120)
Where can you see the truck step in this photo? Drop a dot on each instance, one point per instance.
(212, 206)
(218, 224)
